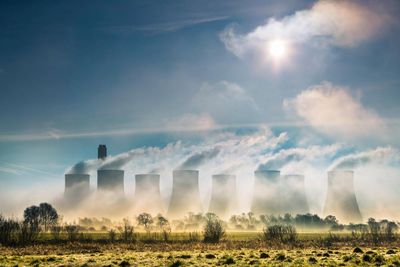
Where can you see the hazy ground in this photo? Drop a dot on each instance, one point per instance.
(238, 249)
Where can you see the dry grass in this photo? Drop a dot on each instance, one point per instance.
(237, 249)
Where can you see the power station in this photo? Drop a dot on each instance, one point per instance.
(267, 197)
(110, 180)
(341, 199)
(102, 152)
(147, 194)
(273, 193)
(223, 196)
(77, 186)
(294, 198)
(185, 195)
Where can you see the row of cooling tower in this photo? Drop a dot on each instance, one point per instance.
(273, 193)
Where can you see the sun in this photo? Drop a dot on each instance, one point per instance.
(278, 49)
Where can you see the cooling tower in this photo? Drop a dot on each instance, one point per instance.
(147, 194)
(266, 195)
(77, 186)
(223, 197)
(185, 195)
(294, 195)
(110, 180)
(341, 199)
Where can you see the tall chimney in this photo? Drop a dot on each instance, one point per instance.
(147, 194)
(185, 195)
(266, 195)
(294, 199)
(223, 196)
(341, 199)
(102, 152)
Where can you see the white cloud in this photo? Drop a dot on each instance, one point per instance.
(18, 169)
(332, 110)
(170, 26)
(226, 102)
(336, 23)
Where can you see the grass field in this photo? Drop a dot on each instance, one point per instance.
(237, 249)
(125, 256)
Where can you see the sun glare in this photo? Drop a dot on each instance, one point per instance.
(278, 49)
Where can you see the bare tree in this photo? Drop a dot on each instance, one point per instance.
(48, 216)
(163, 225)
(146, 220)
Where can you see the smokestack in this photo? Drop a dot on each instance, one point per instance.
(110, 180)
(77, 186)
(102, 152)
(295, 199)
(267, 196)
(147, 193)
(185, 195)
(223, 197)
(341, 198)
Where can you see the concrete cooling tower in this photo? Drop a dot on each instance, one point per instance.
(77, 186)
(266, 195)
(185, 195)
(223, 196)
(147, 194)
(341, 199)
(110, 180)
(294, 195)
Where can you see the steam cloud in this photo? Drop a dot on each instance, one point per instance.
(231, 153)
(197, 159)
(382, 155)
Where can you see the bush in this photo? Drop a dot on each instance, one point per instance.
(193, 237)
(213, 229)
(28, 233)
(72, 232)
(56, 231)
(330, 239)
(8, 231)
(112, 234)
(127, 233)
(280, 233)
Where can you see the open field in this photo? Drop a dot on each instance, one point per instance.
(237, 249)
(198, 255)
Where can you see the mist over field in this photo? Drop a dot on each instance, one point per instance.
(306, 88)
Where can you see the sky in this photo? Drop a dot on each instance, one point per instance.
(303, 86)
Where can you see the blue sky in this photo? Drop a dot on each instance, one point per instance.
(148, 73)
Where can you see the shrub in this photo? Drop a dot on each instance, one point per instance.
(280, 233)
(28, 233)
(112, 234)
(8, 231)
(213, 229)
(330, 239)
(193, 237)
(127, 233)
(56, 231)
(72, 232)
